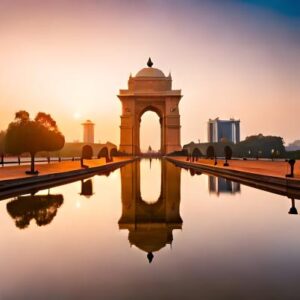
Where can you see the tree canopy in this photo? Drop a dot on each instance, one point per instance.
(25, 135)
(260, 145)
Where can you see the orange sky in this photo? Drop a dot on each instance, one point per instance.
(71, 57)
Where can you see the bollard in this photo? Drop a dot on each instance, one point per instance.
(292, 165)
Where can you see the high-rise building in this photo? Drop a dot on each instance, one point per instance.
(88, 132)
(219, 185)
(219, 130)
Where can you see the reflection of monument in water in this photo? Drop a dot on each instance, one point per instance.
(150, 225)
(219, 185)
(42, 208)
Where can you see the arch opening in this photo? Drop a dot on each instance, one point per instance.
(150, 182)
(150, 132)
(103, 153)
(197, 153)
(210, 152)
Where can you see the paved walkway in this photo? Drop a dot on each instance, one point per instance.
(270, 168)
(17, 172)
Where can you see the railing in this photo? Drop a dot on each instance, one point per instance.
(26, 160)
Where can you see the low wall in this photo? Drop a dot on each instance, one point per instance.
(289, 187)
(13, 187)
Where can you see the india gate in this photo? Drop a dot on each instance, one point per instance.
(150, 90)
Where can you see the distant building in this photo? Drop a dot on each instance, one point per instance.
(75, 149)
(88, 132)
(219, 130)
(219, 185)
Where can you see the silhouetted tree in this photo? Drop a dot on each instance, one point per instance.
(260, 145)
(31, 136)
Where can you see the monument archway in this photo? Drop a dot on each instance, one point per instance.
(150, 90)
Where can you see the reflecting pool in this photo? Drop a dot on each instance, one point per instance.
(150, 230)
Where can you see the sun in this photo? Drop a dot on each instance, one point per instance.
(76, 115)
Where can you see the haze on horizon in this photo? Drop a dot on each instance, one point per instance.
(235, 58)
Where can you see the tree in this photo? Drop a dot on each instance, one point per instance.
(260, 146)
(31, 136)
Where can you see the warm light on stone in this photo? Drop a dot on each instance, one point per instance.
(150, 90)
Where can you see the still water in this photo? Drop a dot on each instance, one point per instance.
(149, 230)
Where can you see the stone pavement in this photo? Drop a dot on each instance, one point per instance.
(269, 168)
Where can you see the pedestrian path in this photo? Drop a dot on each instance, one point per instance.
(268, 168)
(18, 172)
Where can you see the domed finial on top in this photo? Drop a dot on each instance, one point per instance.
(149, 63)
(150, 254)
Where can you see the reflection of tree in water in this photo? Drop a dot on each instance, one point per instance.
(42, 208)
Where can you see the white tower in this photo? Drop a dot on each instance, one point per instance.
(88, 132)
